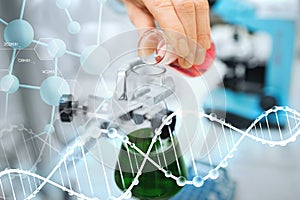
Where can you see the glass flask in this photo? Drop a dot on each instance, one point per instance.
(154, 48)
(145, 87)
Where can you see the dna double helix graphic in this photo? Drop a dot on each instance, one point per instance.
(278, 126)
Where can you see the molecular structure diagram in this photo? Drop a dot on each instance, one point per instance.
(19, 34)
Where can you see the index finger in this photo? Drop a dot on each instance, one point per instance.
(164, 13)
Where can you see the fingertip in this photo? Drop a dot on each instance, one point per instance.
(183, 47)
(184, 63)
(200, 55)
(204, 41)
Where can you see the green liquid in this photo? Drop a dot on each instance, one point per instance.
(153, 184)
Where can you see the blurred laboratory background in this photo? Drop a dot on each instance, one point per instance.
(256, 68)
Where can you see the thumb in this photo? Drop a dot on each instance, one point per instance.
(140, 17)
(143, 21)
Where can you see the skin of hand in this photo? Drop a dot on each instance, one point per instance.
(185, 22)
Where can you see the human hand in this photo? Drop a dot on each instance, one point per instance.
(185, 22)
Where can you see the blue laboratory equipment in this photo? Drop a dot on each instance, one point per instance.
(241, 107)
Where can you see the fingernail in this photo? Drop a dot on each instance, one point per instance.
(145, 52)
(183, 47)
(190, 58)
(184, 63)
(200, 56)
(204, 41)
(160, 54)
